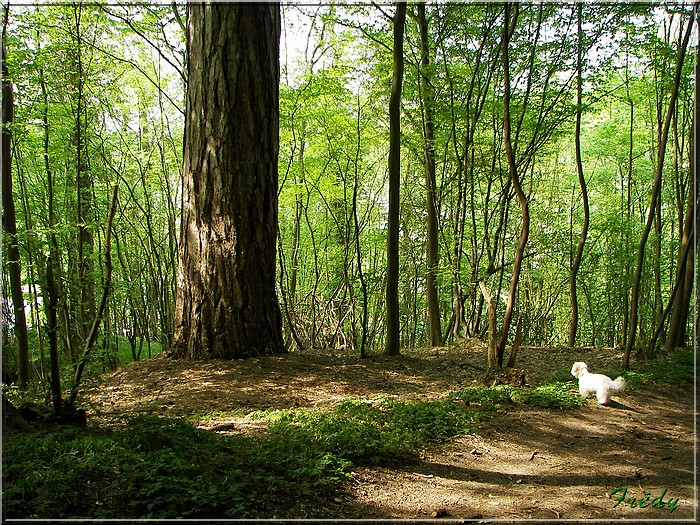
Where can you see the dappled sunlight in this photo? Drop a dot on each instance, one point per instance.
(521, 463)
(535, 464)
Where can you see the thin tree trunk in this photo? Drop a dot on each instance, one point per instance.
(628, 217)
(434, 331)
(492, 358)
(52, 330)
(393, 328)
(676, 335)
(582, 183)
(656, 192)
(356, 224)
(508, 28)
(9, 220)
(107, 284)
(86, 242)
(680, 278)
(53, 267)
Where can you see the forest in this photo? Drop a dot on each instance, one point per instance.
(437, 193)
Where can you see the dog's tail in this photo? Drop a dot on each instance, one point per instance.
(619, 385)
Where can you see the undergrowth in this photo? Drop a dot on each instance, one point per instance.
(160, 468)
(165, 468)
(556, 394)
(377, 432)
(674, 369)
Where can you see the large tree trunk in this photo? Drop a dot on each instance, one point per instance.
(226, 304)
(9, 221)
(392, 286)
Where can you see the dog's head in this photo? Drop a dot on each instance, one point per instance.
(579, 369)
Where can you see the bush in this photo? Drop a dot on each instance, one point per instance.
(487, 397)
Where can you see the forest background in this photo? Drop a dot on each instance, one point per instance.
(602, 138)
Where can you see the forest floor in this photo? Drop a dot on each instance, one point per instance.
(522, 463)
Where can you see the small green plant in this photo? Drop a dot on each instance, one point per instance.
(486, 397)
(379, 432)
(552, 395)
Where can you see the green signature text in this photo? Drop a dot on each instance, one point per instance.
(645, 501)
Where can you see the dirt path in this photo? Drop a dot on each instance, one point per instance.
(535, 464)
(524, 463)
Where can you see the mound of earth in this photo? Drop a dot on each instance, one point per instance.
(631, 460)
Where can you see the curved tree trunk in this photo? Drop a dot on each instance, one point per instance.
(226, 304)
(676, 335)
(508, 27)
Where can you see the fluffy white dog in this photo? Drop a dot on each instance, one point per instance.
(601, 385)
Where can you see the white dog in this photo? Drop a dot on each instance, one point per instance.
(601, 385)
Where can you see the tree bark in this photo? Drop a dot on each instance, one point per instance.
(508, 27)
(392, 287)
(226, 304)
(84, 184)
(656, 193)
(434, 331)
(9, 220)
(573, 327)
(676, 335)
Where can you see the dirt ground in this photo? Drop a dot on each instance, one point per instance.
(522, 464)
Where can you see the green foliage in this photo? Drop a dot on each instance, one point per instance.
(487, 397)
(165, 468)
(379, 432)
(678, 370)
(159, 468)
(556, 394)
(332, 165)
(18, 397)
(553, 395)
